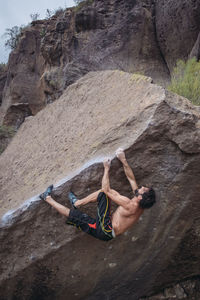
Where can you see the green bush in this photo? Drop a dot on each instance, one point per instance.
(13, 35)
(6, 131)
(3, 67)
(34, 17)
(186, 80)
(81, 3)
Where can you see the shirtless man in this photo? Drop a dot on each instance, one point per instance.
(106, 226)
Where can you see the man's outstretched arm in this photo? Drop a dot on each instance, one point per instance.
(112, 194)
(127, 169)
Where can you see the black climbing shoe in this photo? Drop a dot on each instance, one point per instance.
(72, 199)
(46, 193)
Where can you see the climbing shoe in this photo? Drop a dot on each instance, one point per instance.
(72, 199)
(46, 193)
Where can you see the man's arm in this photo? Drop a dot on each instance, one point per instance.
(127, 169)
(112, 194)
(117, 198)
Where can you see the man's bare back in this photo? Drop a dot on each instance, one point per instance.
(123, 219)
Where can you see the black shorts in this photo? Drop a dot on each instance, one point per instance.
(101, 227)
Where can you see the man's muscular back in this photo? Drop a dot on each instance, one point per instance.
(124, 217)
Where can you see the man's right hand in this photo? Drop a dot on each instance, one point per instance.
(107, 163)
(121, 155)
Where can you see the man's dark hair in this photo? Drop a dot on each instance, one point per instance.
(148, 199)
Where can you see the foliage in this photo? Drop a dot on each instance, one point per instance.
(49, 13)
(13, 35)
(58, 11)
(186, 80)
(78, 1)
(3, 67)
(54, 78)
(43, 32)
(6, 131)
(82, 3)
(34, 17)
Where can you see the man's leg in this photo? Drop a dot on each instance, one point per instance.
(105, 179)
(90, 198)
(59, 207)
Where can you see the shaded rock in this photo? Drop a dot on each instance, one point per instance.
(97, 36)
(16, 114)
(25, 68)
(3, 76)
(196, 49)
(177, 26)
(185, 290)
(65, 143)
(86, 19)
(6, 134)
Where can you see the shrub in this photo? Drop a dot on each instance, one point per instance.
(43, 32)
(3, 67)
(6, 134)
(6, 131)
(34, 17)
(13, 35)
(49, 13)
(58, 11)
(78, 1)
(186, 80)
(82, 3)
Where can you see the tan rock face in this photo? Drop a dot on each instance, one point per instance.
(41, 257)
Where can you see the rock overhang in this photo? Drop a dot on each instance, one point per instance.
(152, 132)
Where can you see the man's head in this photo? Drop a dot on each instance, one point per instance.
(146, 197)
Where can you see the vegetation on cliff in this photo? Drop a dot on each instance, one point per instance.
(186, 80)
(3, 67)
(6, 133)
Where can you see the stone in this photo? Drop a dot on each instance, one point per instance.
(146, 37)
(25, 67)
(177, 27)
(196, 49)
(16, 115)
(40, 256)
(98, 36)
(3, 76)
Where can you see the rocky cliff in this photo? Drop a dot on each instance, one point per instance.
(145, 36)
(64, 144)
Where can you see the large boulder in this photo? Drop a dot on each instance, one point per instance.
(64, 144)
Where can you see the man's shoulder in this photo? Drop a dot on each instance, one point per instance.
(135, 208)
